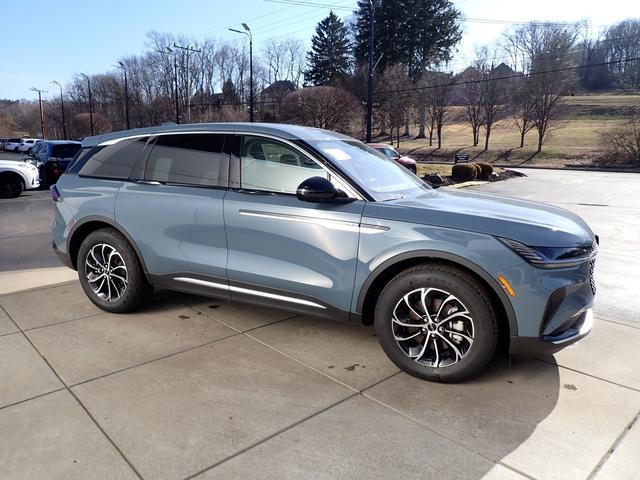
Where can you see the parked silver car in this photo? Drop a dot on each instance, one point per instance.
(320, 223)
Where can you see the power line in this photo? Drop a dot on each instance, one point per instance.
(509, 77)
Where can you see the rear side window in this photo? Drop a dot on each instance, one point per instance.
(113, 161)
(65, 150)
(189, 159)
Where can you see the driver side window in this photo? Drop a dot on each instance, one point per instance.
(272, 166)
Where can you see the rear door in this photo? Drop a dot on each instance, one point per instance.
(173, 209)
(283, 250)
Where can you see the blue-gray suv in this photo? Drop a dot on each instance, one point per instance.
(320, 223)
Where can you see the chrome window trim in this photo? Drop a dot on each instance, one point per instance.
(334, 176)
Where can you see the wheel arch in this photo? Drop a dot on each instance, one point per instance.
(90, 224)
(14, 173)
(382, 274)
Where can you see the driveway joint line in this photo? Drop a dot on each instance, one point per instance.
(269, 437)
(595, 377)
(35, 289)
(68, 389)
(448, 437)
(604, 319)
(146, 362)
(62, 322)
(610, 451)
(31, 398)
(196, 309)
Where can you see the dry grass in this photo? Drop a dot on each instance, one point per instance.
(574, 140)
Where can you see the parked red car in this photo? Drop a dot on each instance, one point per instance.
(389, 151)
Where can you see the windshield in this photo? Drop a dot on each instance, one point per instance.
(381, 177)
(389, 152)
(65, 150)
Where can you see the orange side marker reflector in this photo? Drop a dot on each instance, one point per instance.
(507, 286)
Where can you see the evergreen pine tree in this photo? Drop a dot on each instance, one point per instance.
(330, 49)
(417, 33)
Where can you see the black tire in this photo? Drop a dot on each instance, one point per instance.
(11, 185)
(468, 293)
(136, 290)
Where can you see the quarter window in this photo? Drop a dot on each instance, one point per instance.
(189, 159)
(113, 161)
(272, 166)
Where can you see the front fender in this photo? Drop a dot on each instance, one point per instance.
(482, 254)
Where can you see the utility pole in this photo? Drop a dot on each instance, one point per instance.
(90, 101)
(64, 123)
(40, 92)
(175, 78)
(126, 95)
(247, 32)
(370, 76)
(189, 50)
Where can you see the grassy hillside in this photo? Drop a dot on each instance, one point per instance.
(574, 140)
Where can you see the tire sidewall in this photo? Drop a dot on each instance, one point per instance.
(484, 323)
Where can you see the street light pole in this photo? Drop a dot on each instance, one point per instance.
(188, 49)
(90, 101)
(247, 32)
(40, 92)
(126, 95)
(370, 76)
(64, 123)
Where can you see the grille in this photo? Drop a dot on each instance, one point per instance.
(592, 280)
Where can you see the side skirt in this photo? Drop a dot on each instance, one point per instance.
(249, 294)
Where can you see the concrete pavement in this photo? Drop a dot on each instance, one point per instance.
(191, 387)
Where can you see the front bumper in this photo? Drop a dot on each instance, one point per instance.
(550, 344)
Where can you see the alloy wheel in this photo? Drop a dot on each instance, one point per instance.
(106, 272)
(433, 327)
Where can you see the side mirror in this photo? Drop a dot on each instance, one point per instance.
(319, 190)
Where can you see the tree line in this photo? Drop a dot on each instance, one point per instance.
(523, 77)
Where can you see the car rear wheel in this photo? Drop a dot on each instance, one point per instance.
(11, 185)
(110, 273)
(437, 322)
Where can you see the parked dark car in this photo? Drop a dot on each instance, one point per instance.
(52, 158)
(390, 152)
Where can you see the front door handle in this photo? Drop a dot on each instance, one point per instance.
(149, 182)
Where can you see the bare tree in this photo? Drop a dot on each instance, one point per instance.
(473, 101)
(438, 93)
(622, 144)
(331, 108)
(393, 82)
(543, 50)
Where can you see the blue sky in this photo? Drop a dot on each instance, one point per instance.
(54, 40)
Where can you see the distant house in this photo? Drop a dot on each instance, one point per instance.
(271, 98)
(503, 70)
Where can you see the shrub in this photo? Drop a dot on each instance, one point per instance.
(486, 169)
(464, 172)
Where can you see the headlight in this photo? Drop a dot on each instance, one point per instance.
(552, 257)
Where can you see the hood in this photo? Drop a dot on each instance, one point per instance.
(405, 160)
(531, 223)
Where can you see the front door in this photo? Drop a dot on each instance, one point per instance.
(283, 250)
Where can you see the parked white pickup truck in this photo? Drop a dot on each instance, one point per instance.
(17, 176)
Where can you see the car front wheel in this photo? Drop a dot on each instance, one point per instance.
(11, 185)
(437, 322)
(110, 273)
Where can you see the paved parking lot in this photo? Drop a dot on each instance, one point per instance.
(192, 387)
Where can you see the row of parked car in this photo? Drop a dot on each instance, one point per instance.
(43, 164)
(22, 145)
